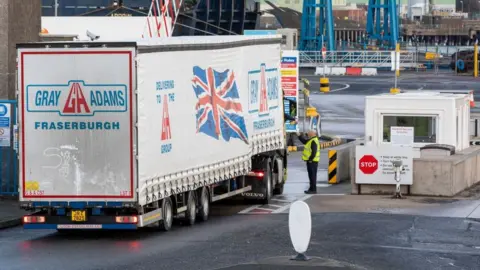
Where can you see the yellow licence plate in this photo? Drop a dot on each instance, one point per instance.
(79, 215)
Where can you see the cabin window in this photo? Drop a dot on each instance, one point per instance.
(424, 127)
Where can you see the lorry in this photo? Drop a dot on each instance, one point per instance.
(123, 135)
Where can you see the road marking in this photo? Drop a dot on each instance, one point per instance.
(288, 205)
(340, 89)
(244, 211)
(336, 90)
(280, 204)
(279, 200)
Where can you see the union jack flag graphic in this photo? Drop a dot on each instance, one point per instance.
(218, 110)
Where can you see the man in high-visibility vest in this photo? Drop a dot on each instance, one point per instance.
(311, 155)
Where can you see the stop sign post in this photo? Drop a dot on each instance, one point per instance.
(368, 164)
(324, 55)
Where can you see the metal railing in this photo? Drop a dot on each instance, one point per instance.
(355, 59)
(444, 50)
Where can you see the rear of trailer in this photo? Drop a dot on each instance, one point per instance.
(127, 135)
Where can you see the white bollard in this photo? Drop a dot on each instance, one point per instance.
(300, 227)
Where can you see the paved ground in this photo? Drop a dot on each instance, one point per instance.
(355, 240)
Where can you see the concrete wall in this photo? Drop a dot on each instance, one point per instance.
(19, 22)
(433, 176)
(343, 161)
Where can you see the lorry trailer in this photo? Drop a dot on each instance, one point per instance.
(122, 135)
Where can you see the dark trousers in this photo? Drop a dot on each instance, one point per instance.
(312, 168)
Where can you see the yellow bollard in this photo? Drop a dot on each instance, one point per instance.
(324, 85)
(332, 167)
(394, 90)
(311, 112)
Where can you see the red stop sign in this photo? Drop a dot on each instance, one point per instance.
(368, 164)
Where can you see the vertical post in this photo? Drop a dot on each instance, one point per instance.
(56, 8)
(396, 69)
(330, 30)
(305, 105)
(475, 59)
(397, 54)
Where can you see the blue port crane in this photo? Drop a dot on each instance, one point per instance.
(388, 31)
(315, 33)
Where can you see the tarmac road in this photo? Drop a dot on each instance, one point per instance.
(408, 80)
(352, 240)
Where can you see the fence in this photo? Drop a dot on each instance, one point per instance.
(8, 148)
(452, 59)
(355, 59)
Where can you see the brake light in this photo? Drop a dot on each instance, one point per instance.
(472, 101)
(258, 174)
(126, 219)
(33, 219)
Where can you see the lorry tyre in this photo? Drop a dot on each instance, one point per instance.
(191, 213)
(167, 215)
(267, 181)
(279, 171)
(204, 205)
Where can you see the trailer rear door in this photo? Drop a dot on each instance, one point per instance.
(76, 122)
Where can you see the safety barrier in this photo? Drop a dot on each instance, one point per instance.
(369, 72)
(356, 71)
(8, 154)
(332, 141)
(332, 166)
(351, 71)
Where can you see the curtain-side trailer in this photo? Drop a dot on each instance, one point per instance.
(121, 135)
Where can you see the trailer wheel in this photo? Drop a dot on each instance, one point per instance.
(279, 173)
(267, 181)
(167, 215)
(191, 213)
(204, 205)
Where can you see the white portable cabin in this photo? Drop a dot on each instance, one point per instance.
(441, 118)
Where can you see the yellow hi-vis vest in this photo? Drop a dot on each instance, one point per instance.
(307, 151)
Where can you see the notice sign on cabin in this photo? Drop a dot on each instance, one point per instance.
(401, 135)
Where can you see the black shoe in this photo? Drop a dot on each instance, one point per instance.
(310, 192)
